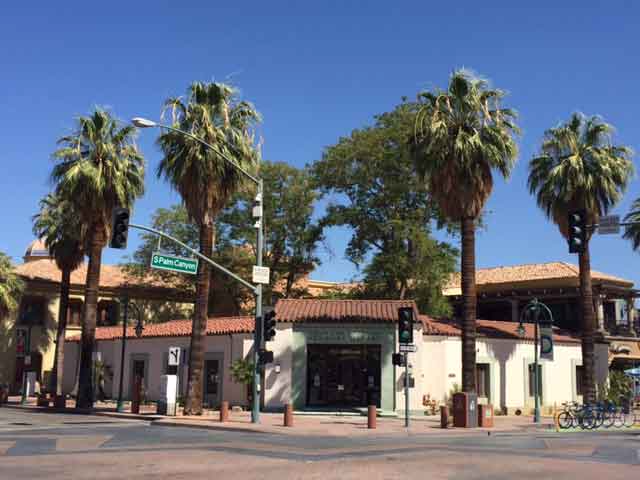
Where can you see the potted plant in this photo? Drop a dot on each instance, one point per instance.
(242, 372)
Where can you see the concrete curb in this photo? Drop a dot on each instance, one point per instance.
(212, 426)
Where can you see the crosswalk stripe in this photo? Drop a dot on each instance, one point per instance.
(70, 443)
(4, 446)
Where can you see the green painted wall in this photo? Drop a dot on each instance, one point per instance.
(342, 334)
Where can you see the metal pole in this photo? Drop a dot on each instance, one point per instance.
(257, 331)
(125, 320)
(536, 393)
(406, 389)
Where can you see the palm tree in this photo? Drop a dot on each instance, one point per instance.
(59, 226)
(462, 135)
(99, 167)
(632, 232)
(206, 182)
(579, 168)
(11, 287)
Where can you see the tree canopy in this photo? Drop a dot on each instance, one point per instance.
(371, 187)
(292, 237)
(11, 286)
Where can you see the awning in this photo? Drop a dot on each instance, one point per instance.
(624, 350)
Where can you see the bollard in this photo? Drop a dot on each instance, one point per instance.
(224, 411)
(444, 416)
(371, 416)
(288, 415)
(135, 401)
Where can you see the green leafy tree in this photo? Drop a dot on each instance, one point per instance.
(206, 182)
(98, 168)
(242, 372)
(579, 167)
(372, 188)
(292, 236)
(11, 286)
(462, 136)
(59, 225)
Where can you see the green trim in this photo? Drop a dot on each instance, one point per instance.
(343, 334)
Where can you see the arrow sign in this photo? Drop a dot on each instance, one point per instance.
(174, 357)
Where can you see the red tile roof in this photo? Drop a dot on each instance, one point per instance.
(111, 276)
(177, 328)
(490, 329)
(532, 272)
(314, 310)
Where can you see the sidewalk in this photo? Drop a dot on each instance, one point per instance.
(346, 426)
(304, 424)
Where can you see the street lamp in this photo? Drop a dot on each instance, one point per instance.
(535, 307)
(141, 122)
(138, 329)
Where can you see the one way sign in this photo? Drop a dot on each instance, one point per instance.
(174, 356)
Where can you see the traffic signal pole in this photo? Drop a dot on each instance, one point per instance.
(406, 389)
(257, 331)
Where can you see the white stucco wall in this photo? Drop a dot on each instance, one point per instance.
(278, 385)
(154, 350)
(508, 364)
(417, 370)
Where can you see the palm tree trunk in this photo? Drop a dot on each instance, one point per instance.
(89, 319)
(193, 402)
(588, 327)
(58, 364)
(468, 281)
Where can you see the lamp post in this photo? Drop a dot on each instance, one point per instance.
(257, 337)
(139, 328)
(535, 307)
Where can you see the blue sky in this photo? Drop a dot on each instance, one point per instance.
(316, 71)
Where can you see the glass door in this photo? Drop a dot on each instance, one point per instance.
(212, 382)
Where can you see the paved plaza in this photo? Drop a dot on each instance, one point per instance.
(36, 444)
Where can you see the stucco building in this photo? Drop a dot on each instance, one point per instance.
(337, 354)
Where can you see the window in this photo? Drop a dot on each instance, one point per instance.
(33, 310)
(579, 380)
(74, 312)
(532, 377)
(108, 312)
(483, 379)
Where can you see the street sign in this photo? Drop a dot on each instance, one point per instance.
(174, 357)
(163, 261)
(546, 341)
(261, 275)
(609, 225)
(407, 348)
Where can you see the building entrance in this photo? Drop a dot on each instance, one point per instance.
(343, 375)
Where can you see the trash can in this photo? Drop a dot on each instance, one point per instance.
(485, 416)
(465, 410)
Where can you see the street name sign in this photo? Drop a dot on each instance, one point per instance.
(171, 263)
(609, 224)
(260, 275)
(407, 348)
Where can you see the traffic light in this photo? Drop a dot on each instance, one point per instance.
(397, 359)
(119, 228)
(405, 325)
(264, 357)
(269, 325)
(577, 231)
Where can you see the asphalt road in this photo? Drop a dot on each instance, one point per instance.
(52, 446)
